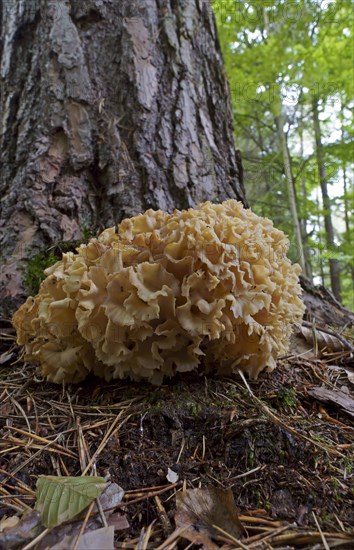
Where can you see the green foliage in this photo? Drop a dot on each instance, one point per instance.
(35, 270)
(59, 499)
(288, 398)
(39, 261)
(86, 232)
(281, 56)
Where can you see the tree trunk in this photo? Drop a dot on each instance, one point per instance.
(322, 308)
(319, 223)
(334, 267)
(291, 192)
(347, 207)
(279, 120)
(304, 217)
(107, 108)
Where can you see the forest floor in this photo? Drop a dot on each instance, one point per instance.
(286, 455)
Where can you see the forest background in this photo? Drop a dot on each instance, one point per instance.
(290, 68)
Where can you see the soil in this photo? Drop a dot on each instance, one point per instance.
(286, 456)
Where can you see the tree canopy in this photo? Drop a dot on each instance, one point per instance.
(295, 59)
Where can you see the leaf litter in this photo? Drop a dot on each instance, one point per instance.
(272, 456)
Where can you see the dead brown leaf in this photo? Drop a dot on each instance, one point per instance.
(119, 522)
(325, 341)
(7, 523)
(204, 513)
(29, 525)
(24, 531)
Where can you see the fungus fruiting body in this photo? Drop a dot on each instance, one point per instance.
(209, 288)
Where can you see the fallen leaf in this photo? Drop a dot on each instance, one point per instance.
(119, 522)
(30, 524)
(324, 341)
(8, 523)
(109, 499)
(102, 539)
(299, 346)
(60, 498)
(24, 531)
(201, 511)
(336, 397)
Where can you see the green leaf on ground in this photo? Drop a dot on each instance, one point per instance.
(61, 498)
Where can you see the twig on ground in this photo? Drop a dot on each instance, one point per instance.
(278, 421)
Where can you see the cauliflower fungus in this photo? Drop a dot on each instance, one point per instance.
(164, 294)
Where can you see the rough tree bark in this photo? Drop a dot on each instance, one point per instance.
(107, 108)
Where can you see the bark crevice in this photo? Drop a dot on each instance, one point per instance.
(107, 109)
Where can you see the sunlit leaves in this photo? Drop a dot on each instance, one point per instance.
(297, 51)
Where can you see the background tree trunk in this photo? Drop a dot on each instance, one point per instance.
(291, 189)
(279, 121)
(334, 267)
(107, 108)
(304, 216)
